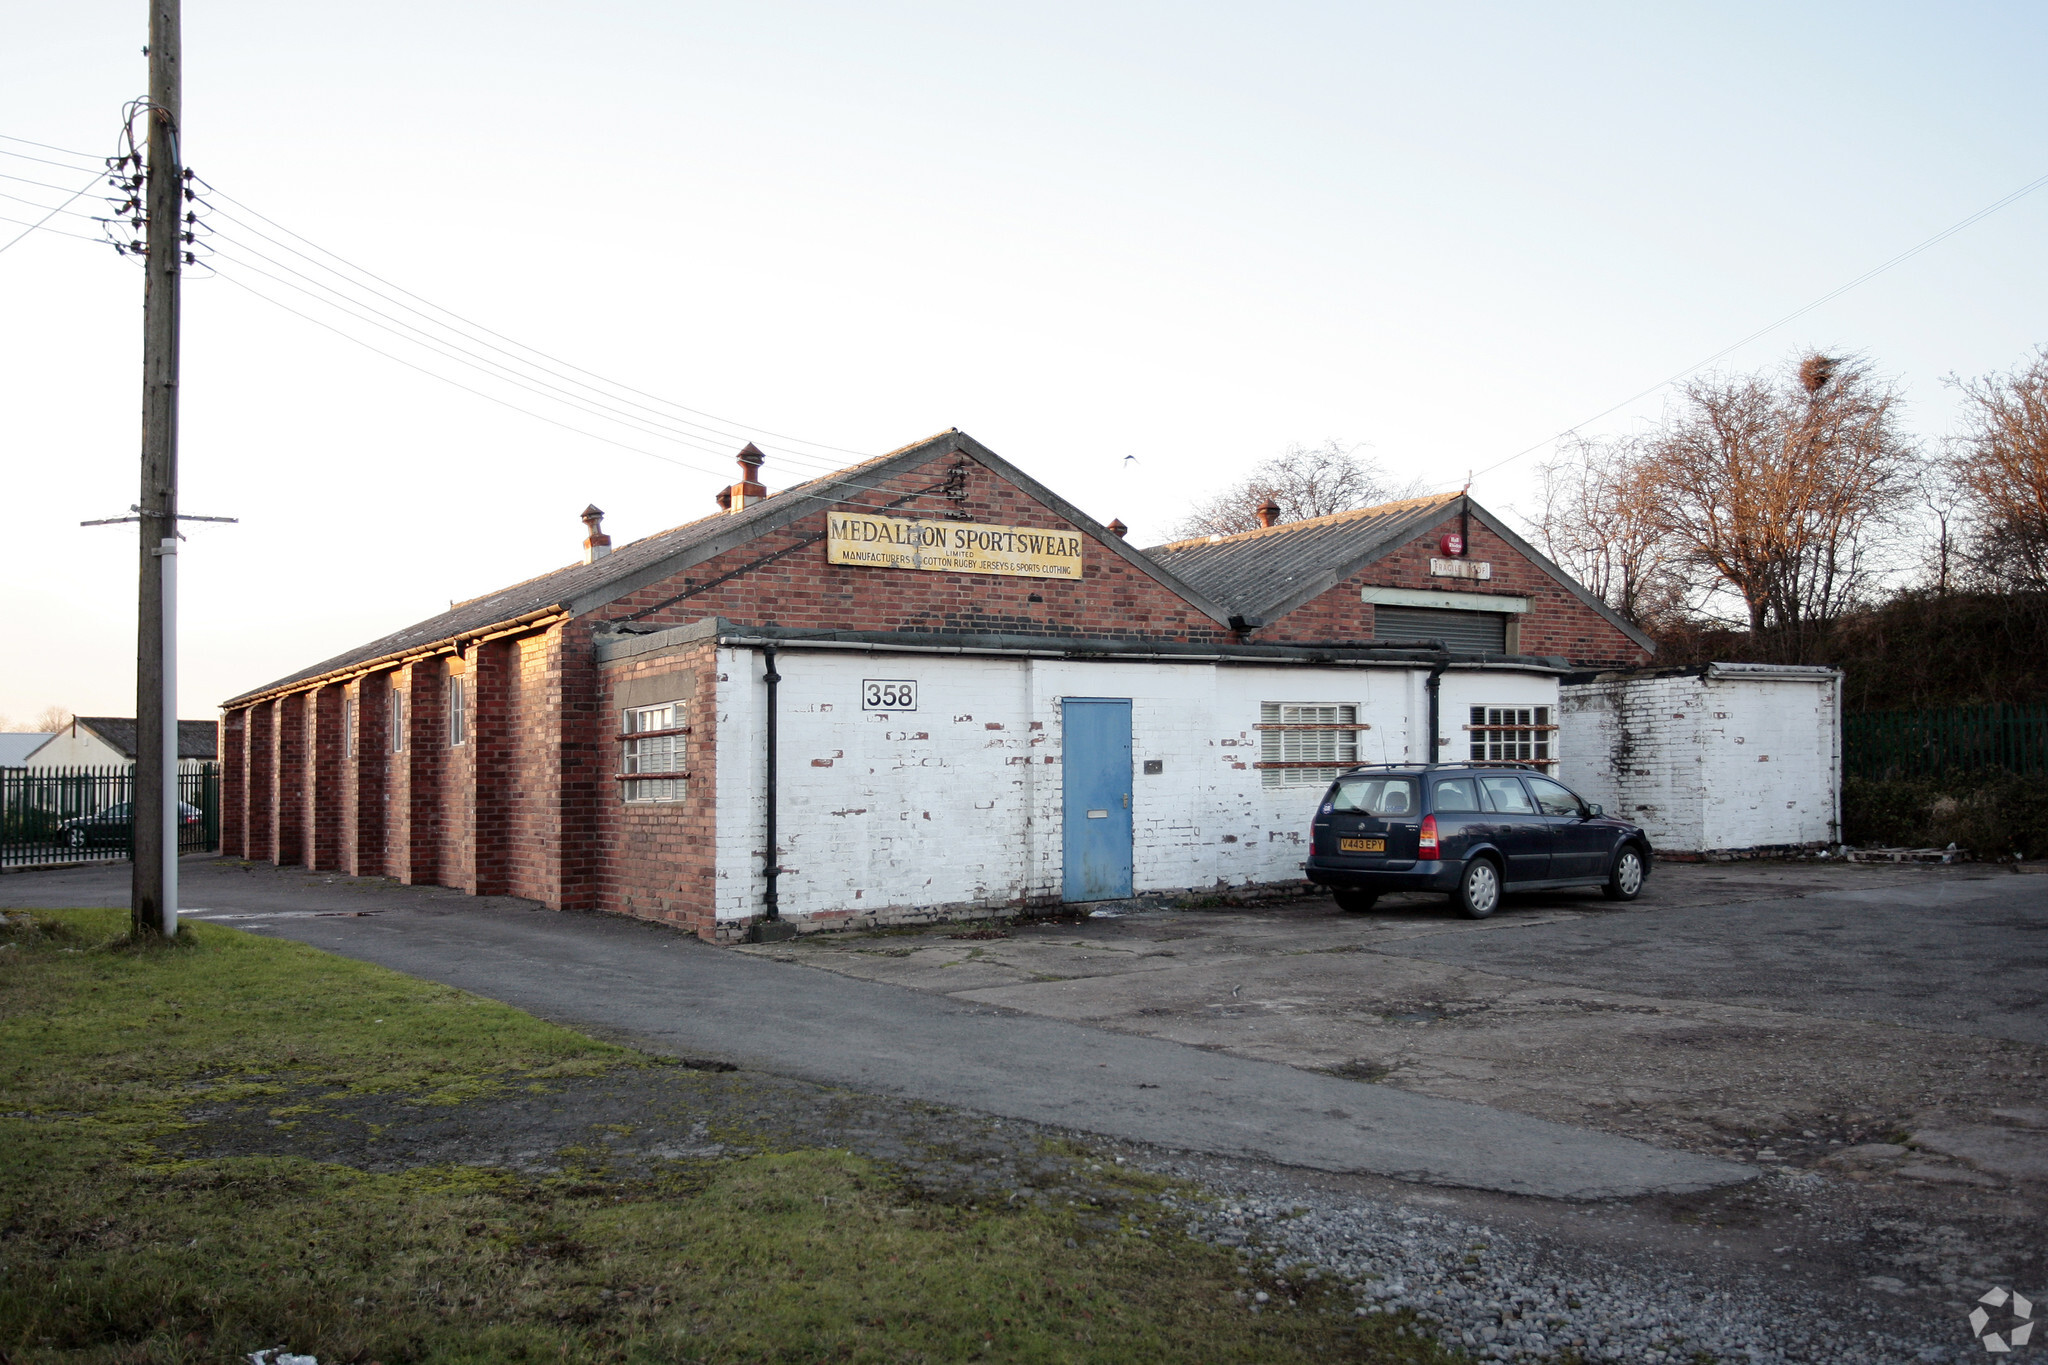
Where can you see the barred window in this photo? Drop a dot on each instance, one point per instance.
(348, 725)
(397, 721)
(654, 738)
(1306, 744)
(1513, 734)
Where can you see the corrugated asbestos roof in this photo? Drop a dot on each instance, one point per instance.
(1254, 572)
(195, 737)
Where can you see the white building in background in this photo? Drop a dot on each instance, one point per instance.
(109, 742)
(1725, 757)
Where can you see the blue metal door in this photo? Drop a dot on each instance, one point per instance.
(1097, 788)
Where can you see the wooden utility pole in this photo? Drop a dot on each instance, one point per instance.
(154, 902)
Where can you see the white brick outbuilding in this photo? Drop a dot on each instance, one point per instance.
(1720, 758)
(961, 805)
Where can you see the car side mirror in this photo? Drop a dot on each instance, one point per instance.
(1594, 810)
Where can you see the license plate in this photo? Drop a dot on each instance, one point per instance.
(1361, 845)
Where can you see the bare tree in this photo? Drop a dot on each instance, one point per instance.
(1306, 481)
(1999, 466)
(1789, 494)
(1601, 520)
(53, 719)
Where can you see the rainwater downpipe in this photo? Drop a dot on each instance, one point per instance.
(770, 900)
(1434, 685)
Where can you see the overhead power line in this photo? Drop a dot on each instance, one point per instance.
(841, 486)
(1728, 350)
(229, 253)
(82, 191)
(726, 428)
(592, 399)
(48, 147)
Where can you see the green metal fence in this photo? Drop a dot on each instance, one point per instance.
(74, 815)
(1956, 739)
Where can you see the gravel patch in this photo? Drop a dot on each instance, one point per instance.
(1513, 1297)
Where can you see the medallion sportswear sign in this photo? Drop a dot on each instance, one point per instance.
(951, 546)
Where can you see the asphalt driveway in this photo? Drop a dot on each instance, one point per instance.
(674, 994)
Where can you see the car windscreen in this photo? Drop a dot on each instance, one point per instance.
(1375, 796)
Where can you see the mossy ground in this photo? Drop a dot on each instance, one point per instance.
(125, 1238)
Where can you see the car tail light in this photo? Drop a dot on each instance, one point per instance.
(1427, 846)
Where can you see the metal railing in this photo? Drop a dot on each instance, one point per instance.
(1894, 744)
(75, 815)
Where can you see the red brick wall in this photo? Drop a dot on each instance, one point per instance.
(491, 796)
(416, 802)
(531, 815)
(261, 788)
(1110, 599)
(454, 857)
(325, 798)
(288, 800)
(1557, 622)
(584, 765)
(234, 785)
(527, 806)
(659, 859)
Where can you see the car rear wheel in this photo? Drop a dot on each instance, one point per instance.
(1478, 893)
(1356, 902)
(1625, 882)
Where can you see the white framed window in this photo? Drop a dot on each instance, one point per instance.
(1513, 734)
(458, 712)
(349, 725)
(654, 740)
(1306, 744)
(397, 721)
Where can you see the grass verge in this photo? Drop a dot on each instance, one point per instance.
(114, 1250)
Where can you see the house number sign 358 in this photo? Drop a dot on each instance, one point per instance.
(888, 694)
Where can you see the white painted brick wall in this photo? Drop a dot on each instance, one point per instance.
(958, 805)
(1721, 762)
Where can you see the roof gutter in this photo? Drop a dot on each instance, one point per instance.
(1434, 654)
(517, 625)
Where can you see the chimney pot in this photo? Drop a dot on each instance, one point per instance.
(1269, 513)
(1118, 529)
(597, 544)
(750, 487)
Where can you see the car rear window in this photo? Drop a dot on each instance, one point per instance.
(1375, 796)
(1456, 796)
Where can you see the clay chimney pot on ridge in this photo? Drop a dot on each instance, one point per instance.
(1269, 513)
(1118, 529)
(596, 545)
(749, 488)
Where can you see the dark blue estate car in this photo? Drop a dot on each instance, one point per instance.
(1471, 831)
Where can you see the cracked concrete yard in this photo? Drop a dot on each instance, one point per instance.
(1724, 1004)
(1878, 1033)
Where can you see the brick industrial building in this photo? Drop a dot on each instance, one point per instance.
(927, 684)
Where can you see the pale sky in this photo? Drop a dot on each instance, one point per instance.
(1187, 233)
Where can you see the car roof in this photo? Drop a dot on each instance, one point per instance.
(1446, 769)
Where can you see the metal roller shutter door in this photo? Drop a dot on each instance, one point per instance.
(1466, 632)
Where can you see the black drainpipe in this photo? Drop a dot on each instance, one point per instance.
(1435, 686)
(771, 902)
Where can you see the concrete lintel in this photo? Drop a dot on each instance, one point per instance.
(1443, 601)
